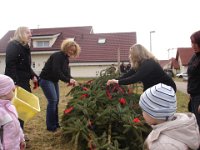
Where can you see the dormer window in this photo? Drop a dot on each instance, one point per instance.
(102, 40)
(44, 41)
(42, 44)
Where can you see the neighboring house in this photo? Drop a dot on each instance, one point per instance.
(183, 56)
(180, 63)
(165, 64)
(175, 65)
(170, 64)
(98, 50)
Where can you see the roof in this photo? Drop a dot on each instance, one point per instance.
(163, 62)
(65, 32)
(91, 50)
(5, 39)
(185, 54)
(173, 63)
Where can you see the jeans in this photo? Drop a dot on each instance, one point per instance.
(51, 92)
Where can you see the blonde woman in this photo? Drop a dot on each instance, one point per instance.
(144, 68)
(55, 69)
(18, 60)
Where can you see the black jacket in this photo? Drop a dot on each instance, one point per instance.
(18, 63)
(149, 73)
(56, 68)
(193, 71)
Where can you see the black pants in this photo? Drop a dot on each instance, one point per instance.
(193, 107)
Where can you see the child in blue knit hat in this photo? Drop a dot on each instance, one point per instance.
(171, 130)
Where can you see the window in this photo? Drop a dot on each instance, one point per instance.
(102, 40)
(42, 44)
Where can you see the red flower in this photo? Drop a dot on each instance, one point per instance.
(66, 111)
(136, 120)
(122, 101)
(85, 89)
(84, 96)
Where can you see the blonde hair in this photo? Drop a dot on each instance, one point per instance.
(66, 44)
(21, 36)
(138, 54)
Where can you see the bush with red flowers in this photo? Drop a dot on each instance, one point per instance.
(100, 117)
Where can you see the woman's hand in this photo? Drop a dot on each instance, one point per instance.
(199, 109)
(35, 82)
(73, 82)
(34, 79)
(113, 81)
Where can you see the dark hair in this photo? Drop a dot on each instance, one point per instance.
(195, 38)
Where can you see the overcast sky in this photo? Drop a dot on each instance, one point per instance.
(172, 20)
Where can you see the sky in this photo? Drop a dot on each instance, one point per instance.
(172, 20)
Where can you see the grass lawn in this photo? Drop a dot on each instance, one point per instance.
(41, 139)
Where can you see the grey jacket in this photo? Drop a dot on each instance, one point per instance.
(181, 133)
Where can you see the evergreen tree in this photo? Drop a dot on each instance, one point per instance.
(101, 117)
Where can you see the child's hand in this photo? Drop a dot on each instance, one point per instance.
(22, 145)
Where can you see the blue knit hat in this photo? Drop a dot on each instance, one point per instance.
(159, 101)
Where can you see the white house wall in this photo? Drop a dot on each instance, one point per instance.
(182, 68)
(87, 71)
(82, 70)
(2, 64)
(39, 60)
(78, 70)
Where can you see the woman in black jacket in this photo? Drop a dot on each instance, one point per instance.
(144, 68)
(193, 86)
(18, 60)
(57, 68)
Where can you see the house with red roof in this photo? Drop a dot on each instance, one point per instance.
(170, 65)
(180, 63)
(183, 56)
(98, 50)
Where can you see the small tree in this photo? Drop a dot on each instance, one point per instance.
(103, 117)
